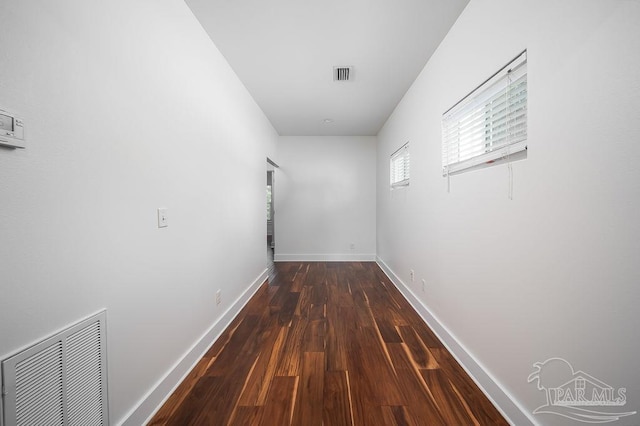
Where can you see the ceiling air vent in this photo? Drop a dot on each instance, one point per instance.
(342, 73)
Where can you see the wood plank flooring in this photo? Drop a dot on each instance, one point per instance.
(328, 344)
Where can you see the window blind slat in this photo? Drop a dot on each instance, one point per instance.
(488, 121)
(400, 165)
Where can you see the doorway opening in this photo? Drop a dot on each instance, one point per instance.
(270, 236)
(270, 197)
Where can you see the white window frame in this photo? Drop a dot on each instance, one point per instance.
(489, 123)
(400, 167)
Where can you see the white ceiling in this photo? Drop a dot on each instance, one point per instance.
(284, 52)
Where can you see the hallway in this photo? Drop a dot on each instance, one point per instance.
(333, 344)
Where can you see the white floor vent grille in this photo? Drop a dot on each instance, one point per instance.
(59, 381)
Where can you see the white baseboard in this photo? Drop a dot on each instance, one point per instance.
(330, 257)
(504, 402)
(152, 402)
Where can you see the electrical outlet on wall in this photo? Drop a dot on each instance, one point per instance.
(218, 297)
(412, 275)
(424, 284)
(352, 246)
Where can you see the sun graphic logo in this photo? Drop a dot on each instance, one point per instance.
(568, 392)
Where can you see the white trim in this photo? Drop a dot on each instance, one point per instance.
(270, 161)
(513, 412)
(156, 397)
(330, 257)
(1, 398)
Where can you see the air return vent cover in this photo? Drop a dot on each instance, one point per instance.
(61, 380)
(342, 73)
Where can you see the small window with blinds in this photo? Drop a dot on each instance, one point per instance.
(490, 123)
(400, 167)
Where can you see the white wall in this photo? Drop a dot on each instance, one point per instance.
(128, 107)
(325, 198)
(555, 272)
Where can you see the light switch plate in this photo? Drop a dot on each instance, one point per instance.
(163, 219)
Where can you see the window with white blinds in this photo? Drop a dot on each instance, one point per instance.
(400, 166)
(489, 123)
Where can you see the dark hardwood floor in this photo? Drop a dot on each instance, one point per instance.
(332, 344)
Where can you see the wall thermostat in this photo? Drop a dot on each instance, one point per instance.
(11, 130)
